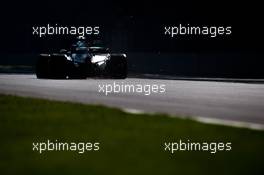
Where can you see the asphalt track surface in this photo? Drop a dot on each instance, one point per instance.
(217, 100)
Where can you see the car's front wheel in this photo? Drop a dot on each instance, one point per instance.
(118, 67)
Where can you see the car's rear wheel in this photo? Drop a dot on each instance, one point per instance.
(48, 67)
(42, 68)
(58, 69)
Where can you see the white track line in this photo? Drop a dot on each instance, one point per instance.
(133, 111)
(206, 120)
(237, 124)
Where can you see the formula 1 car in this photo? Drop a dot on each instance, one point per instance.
(82, 61)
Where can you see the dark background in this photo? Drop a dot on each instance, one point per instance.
(137, 28)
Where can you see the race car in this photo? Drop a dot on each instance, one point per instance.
(82, 61)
